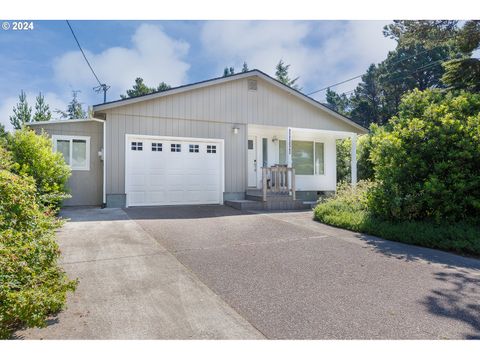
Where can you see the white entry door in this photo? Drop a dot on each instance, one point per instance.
(252, 161)
(173, 171)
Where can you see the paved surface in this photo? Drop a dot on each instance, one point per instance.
(132, 288)
(293, 278)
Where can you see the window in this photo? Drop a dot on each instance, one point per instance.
(137, 146)
(211, 149)
(75, 150)
(250, 144)
(265, 151)
(319, 159)
(156, 147)
(282, 152)
(175, 147)
(193, 148)
(308, 158)
(302, 157)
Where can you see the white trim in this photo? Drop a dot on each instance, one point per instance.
(220, 142)
(66, 121)
(70, 138)
(226, 79)
(104, 150)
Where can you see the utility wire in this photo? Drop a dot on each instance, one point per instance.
(359, 76)
(101, 86)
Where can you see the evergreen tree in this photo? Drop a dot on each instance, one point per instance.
(244, 67)
(3, 132)
(42, 110)
(22, 113)
(281, 74)
(138, 89)
(367, 99)
(74, 109)
(336, 102)
(228, 71)
(163, 86)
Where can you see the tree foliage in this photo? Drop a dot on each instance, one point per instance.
(22, 113)
(74, 109)
(244, 67)
(32, 285)
(462, 71)
(228, 71)
(427, 161)
(139, 88)
(281, 74)
(42, 109)
(33, 156)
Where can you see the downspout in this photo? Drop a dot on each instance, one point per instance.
(104, 186)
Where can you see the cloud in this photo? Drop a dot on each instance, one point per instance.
(320, 52)
(6, 109)
(154, 56)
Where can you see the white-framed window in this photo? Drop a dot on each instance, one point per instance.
(308, 157)
(175, 147)
(75, 150)
(156, 146)
(193, 148)
(211, 149)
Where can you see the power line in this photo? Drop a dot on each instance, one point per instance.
(359, 76)
(101, 86)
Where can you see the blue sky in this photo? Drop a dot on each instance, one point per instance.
(178, 52)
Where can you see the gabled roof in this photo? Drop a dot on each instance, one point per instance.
(223, 79)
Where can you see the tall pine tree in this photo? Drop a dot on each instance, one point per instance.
(281, 74)
(42, 110)
(74, 109)
(22, 113)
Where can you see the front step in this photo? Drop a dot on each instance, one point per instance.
(285, 203)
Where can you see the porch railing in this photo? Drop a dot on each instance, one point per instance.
(278, 180)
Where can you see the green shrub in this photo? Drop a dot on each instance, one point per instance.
(33, 156)
(364, 164)
(427, 161)
(32, 286)
(348, 209)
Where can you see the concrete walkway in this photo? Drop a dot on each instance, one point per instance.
(132, 288)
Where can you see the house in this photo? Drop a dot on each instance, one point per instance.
(222, 140)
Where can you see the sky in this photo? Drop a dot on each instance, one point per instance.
(47, 59)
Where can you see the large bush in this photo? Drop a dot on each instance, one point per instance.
(364, 165)
(32, 286)
(33, 156)
(427, 160)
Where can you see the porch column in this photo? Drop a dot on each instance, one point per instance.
(289, 147)
(354, 159)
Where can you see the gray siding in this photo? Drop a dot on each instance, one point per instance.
(86, 187)
(211, 112)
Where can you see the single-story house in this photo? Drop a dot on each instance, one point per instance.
(210, 142)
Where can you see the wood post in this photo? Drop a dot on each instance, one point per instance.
(264, 183)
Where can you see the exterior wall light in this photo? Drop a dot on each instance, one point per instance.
(235, 130)
(274, 138)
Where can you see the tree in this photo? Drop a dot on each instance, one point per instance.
(281, 74)
(3, 132)
(74, 109)
(22, 113)
(244, 67)
(228, 71)
(462, 71)
(42, 110)
(367, 99)
(139, 89)
(163, 86)
(426, 162)
(337, 102)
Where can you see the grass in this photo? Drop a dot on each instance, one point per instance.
(346, 210)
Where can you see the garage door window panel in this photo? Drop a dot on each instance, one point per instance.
(157, 147)
(175, 147)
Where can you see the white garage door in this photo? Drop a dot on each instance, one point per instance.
(173, 171)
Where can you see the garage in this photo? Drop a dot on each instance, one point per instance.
(173, 171)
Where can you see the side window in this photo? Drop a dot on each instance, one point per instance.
(157, 147)
(175, 147)
(211, 149)
(75, 150)
(137, 145)
(193, 148)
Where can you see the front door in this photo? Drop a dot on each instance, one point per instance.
(252, 161)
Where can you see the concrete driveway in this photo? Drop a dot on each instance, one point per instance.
(293, 278)
(131, 287)
(215, 272)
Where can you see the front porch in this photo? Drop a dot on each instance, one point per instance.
(283, 163)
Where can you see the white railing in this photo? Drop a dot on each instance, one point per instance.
(278, 180)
